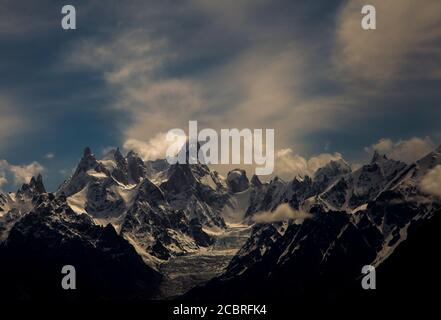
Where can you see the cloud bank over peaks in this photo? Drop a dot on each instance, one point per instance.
(288, 164)
(154, 148)
(408, 150)
(18, 173)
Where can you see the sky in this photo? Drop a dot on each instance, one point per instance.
(132, 70)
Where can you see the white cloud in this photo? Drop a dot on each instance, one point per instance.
(405, 150)
(262, 88)
(288, 164)
(259, 87)
(159, 106)
(405, 43)
(431, 182)
(153, 149)
(20, 173)
(4, 165)
(3, 181)
(131, 63)
(50, 155)
(282, 213)
(24, 173)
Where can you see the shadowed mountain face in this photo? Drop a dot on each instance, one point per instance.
(52, 236)
(115, 220)
(321, 259)
(119, 220)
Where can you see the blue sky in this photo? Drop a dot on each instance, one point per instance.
(133, 70)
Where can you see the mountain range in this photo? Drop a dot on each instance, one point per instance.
(118, 219)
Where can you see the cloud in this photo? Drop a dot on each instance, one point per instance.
(20, 173)
(154, 148)
(282, 213)
(160, 106)
(24, 173)
(17, 21)
(288, 164)
(10, 121)
(249, 71)
(3, 181)
(258, 83)
(405, 43)
(431, 182)
(131, 63)
(50, 155)
(405, 150)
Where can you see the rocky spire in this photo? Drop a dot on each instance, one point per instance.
(255, 181)
(377, 157)
(136, 167)
(37, 184)
(87, 162)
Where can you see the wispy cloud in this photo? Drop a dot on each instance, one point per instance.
(431, 182)
(405, 150)
(405, 43)
(289, 164)
(24, 173)
(260, 85)
(155, 148)
(3, 178)
(26, 19)
(20, 173)
(282, 213)
(144, 67)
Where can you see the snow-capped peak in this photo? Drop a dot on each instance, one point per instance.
(87, 162)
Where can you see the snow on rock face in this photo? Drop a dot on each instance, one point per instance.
(235, 210)
(164, 211)
(324, 176)
(267, 196)
(137, 170)
(116, 165)
(359, 187)
(237, 181)
(14, 206)
(163, 219)
(305, 257)
(102, 199)
(86, 171)
(159, 229)
(427, 163)
(187, 189)
(77, 202)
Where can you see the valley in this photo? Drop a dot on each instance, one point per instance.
(182, 273)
